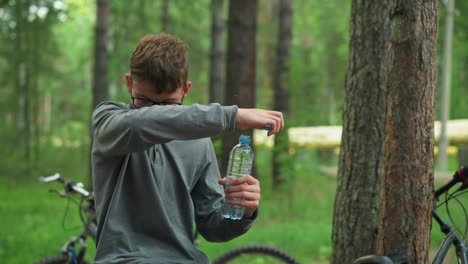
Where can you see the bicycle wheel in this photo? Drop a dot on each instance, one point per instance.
(257, 254)
(58, 259)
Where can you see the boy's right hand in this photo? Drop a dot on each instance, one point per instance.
(259, 118)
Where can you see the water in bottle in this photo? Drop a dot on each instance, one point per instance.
(240, 164)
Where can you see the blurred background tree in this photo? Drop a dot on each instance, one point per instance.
(240, 67)
(281, 163)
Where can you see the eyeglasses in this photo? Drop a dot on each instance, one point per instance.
(141, 102)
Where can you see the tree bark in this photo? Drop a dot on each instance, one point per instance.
(142, 18)
(463, 155)
(35, 99)
(408, 150)
(23, 81)
(280, 161)
(268, 21)
(100, 87)
(356, 211)
(240, 70)
(216, 66)
(165, 16)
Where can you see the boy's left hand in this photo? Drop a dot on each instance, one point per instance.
(246, 187)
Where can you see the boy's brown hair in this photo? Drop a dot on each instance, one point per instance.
(162, 60)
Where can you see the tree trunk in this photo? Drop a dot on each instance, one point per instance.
(240, 71)
(23, 82)
(268, 21)
(100, 87)
(36, 95)
(165, 16)
(143, 20)
(216, 66)
(280, 162)
(463, 155)
(408, 151)
(355, 218)
(446, 76)
(47, 113)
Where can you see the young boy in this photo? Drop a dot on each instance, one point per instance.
(155, 172)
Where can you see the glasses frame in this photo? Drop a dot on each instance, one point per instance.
(151, 102)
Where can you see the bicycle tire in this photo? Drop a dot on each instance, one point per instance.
(256, 250)
(58, 259)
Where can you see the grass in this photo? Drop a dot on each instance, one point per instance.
(296, 218)
(31, 226)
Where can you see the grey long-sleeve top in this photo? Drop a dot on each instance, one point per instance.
(155, 174)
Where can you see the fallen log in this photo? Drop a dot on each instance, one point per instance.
(329, 137)
(439, 176)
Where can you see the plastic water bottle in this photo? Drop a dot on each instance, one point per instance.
(240, 164)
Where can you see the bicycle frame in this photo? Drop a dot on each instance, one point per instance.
(451, 237)
(89, 230)
(89, 226)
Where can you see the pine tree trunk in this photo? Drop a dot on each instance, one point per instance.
(165, 16)
(23, 81)
(47, 113)
(240, 71)
(408, 151)
(216, 66)
(268, 17)
(280, 160)
(36, 95)
(100, 87)
(142, 18)
(462, 155)
(355, 218)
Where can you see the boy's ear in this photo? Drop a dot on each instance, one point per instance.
(188, 85)
(128, 82)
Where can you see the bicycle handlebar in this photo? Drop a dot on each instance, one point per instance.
(69, 185)
(461, 175)
(50, 178)
(80, 190)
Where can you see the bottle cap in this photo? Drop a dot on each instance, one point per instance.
(244, 139)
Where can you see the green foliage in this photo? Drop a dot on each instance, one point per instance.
(318, 61)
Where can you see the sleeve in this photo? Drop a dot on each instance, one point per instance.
(208, 198)
(118, 130)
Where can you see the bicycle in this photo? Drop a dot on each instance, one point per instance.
(255, 253)
(68, 253)
(452, 238)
